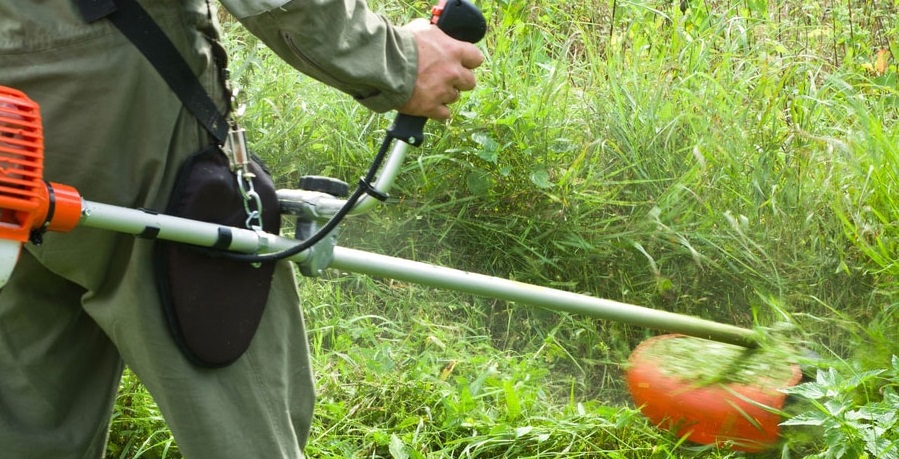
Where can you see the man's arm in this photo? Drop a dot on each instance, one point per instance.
(416, 69)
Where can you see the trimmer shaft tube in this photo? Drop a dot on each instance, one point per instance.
(559, 300)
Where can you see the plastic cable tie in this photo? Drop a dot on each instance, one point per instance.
(371, 191)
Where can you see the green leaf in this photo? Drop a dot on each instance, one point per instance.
(836, 407)
(522, 431)
(837, 444)
(879, 414)
(540, 177)
(859, 379)
(478, 182)
(513, 402)
(397, 448)
(829, 379)
(809, 390)
(489, 147)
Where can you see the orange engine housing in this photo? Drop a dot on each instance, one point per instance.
(27, 202)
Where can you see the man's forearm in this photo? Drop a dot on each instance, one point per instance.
(339, 42)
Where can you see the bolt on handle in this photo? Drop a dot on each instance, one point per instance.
(460, 20)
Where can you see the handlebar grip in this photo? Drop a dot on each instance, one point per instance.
(460, 20)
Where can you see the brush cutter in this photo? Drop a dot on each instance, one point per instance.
(714, 409)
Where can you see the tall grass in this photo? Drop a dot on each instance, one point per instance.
(736, 160)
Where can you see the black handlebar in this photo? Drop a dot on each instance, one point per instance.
(460, 20)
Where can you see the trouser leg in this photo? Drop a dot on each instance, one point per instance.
(58, 370)
(127, 153)
(259, 406)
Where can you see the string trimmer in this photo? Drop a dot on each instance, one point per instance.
(711, 409)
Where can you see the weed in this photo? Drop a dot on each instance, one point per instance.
(854, 413)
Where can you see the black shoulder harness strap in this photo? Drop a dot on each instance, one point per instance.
(136, 24)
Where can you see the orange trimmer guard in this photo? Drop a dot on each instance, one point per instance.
(743, 416)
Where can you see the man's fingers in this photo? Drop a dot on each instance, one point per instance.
(471, 57)
(441, 113)
(453, 96)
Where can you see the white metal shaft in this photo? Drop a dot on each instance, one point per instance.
(147, 224)
(151, 225)
(548, 298)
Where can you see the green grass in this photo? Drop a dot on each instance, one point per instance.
(736, 162)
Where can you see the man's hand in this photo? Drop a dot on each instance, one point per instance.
(444, 69)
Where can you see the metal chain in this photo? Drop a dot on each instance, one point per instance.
(238, 157)
(252, 202)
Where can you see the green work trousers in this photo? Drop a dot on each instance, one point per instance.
(84, 304)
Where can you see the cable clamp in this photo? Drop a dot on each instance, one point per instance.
(371, 191)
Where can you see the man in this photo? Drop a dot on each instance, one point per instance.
(84, 304)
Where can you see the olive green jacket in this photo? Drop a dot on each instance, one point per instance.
(339, 42)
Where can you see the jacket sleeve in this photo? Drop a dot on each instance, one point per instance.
(341, 43)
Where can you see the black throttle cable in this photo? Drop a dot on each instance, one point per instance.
(364, 187)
